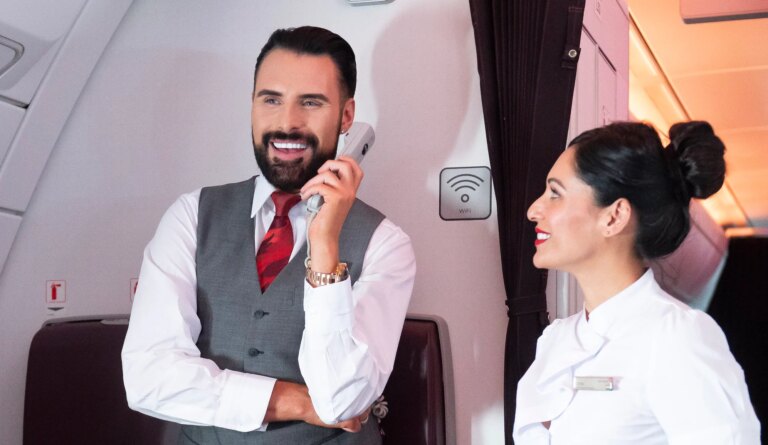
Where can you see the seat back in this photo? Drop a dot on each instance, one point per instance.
(74, 390)
(419, 393)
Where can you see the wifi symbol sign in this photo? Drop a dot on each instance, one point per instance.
(465, 193)
(465, 181)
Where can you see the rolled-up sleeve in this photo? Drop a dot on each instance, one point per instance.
(351, 333)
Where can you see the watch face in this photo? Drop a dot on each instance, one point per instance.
(341, 269)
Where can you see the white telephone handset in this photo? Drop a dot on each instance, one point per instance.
(357, 142)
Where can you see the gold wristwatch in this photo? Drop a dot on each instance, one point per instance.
(321, 279)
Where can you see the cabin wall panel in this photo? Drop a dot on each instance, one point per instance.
(606, 91)
(584, 93)
(601, 96)
(10, 118)
(9, 224)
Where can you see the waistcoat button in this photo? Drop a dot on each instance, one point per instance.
(259, 314)
(253, 352)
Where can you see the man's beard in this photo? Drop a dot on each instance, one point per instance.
(290, 176)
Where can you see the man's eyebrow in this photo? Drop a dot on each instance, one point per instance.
(268, 93)
(556, 181)
(317, 96)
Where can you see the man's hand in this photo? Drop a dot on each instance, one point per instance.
(291, 401)
(352, 425)
(337, 182)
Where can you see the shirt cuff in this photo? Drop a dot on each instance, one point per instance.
(244, 401)
(328, 308)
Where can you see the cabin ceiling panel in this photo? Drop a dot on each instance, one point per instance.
(749, 187)
(710, 46)
(728, 100)
(751, 147)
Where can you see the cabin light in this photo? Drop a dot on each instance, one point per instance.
(703, 11)
(368, 2)
(745, 232)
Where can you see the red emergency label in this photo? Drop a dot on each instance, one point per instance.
(55, 291)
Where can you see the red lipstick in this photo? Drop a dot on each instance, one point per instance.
(541, 236)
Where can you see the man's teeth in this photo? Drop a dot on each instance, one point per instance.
(289, 146)
(542, 236)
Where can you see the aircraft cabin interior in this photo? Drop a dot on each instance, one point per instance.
(110, 111)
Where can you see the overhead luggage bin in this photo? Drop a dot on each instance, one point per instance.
(48, 49)
(29, 33)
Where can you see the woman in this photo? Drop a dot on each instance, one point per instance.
(635, 366)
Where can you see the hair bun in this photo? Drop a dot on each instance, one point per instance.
(700, 156)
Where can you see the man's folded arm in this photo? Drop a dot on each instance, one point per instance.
(164, 374)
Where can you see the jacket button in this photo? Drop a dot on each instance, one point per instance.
(253, 352)
(260, 314)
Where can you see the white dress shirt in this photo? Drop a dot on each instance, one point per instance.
(676, 381)
(348, 345)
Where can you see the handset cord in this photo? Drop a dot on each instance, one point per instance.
(310, 218)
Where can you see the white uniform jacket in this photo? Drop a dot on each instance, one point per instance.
(675, 379)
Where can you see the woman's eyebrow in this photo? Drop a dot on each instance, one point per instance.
(556, 181)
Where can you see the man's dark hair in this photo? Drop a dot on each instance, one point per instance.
(317, 42)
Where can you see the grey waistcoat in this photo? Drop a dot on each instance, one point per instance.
(245, 330)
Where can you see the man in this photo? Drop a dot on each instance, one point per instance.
(228, 339)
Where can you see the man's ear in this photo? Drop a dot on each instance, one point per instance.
(347, 114)
(616, 217)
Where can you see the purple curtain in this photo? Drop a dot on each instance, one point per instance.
(527, 51)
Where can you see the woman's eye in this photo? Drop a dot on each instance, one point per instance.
(553, 194)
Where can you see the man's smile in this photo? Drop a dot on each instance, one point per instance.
(288, 149)
(287, 145)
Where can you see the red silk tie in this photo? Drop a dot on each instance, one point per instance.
(275, 250)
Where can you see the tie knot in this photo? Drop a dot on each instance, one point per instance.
(284, 201)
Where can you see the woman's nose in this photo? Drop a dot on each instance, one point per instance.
(534, 211)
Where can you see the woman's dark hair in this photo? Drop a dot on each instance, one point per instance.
(627, 160)
(317, 42)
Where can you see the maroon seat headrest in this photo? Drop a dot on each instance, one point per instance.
(415, 390)
(75, 393)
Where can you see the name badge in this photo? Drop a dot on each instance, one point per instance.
(593, 383)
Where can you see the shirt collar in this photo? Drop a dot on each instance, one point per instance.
(614, 308)
(262, 191)
(262, 197)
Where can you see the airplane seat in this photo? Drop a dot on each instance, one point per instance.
(74, 389)
(419, 393)
(75, 393)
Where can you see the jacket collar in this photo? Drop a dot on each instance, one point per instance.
(568, 343)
